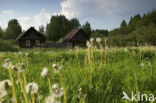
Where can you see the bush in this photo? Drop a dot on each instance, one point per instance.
(8, 46)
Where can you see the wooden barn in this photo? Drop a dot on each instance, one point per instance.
(31, 38)
(76, 37)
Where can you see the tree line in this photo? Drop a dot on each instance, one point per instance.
(139, 30)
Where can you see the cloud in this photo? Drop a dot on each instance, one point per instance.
(42, 18)
(105, 8)
(25, 22)
(7, 12)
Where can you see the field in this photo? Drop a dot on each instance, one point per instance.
(87, 75)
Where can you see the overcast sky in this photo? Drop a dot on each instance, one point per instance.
(102, 14)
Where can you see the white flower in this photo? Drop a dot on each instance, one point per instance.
(149, 63)
(98, 40)
(5, 85)
(141, 64)
(126, 49)
(57, 92)
(51, 99)
(88, 44)
(32, 88)
(56, 68)
(45, 72)
(26, 54)
(91, 39)
(7, 64)
(15, 68)
(3, 93)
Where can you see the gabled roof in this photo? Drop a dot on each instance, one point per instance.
(29, 30)
(72, 34)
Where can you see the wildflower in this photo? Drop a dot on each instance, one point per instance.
(56, 68)
(126, 49)
(32, 88)
(7, 64)
(141, 64)
(57, 92)
(45, 72)
(91, 39)
(17, 69)
(98, 40)
(3, 93)
(4, 87)
(149, 63)
(88, 44)
(51, 99)
(26, 54)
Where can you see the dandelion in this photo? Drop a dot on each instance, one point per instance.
(57, 92)
(17, 69)
(45, 72)
(56, 68)
(7, 64)
(126, 49)
(149, 63)
(32, 88)
(141, 64)
(4, 87)
(3, 93)
(51, 99)
(88, 44)
(26, 54)
(91, 39)
(98, 40)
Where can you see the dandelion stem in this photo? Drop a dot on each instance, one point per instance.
(13, 87)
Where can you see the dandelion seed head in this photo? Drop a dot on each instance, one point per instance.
(88, 44)
(3, 93)
(51, 99)
(91, 39)
(45, 72)
(141, 64)
(32, 88)
(98, 40)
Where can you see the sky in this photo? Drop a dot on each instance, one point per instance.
(101, 14)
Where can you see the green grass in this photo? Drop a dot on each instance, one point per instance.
(102, 75)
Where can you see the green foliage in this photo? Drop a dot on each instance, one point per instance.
(6, 45)
(59, 26)
(99, 33)
(87, 29)
(139, 30)
(1, 32)
(41, 29)
(13, 30)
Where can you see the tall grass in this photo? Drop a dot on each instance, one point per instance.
(102, 73)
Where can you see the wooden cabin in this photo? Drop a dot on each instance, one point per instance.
(31, 38)
(76, 37)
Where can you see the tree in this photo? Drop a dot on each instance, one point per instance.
(123, 23)
(74, 23)
(59, 26)
(13, 30)
(41, 29)
(87, 29)
(1, 32)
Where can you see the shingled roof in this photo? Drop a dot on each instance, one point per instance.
(29, 30)
(73, 33)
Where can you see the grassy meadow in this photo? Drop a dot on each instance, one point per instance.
(87, 75)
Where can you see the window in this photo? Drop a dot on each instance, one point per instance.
(37, 42)
(27, 42)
